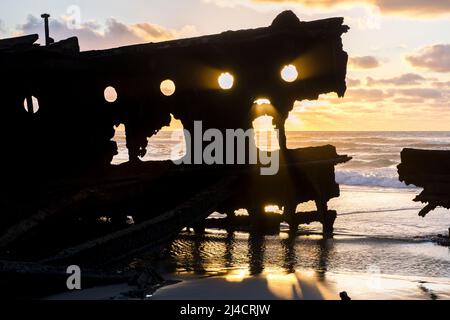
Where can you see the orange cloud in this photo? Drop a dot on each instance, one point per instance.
(392, 104)
(441, 84)
(433, 58)
(383, 111)
(423, 8)
(364, 62)
(363, 94)
(353, 82)
(407, 79)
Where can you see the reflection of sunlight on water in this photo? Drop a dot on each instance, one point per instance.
(356, 264)
(360, 285)
(273, 283)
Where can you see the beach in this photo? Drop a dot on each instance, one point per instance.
(383, 254)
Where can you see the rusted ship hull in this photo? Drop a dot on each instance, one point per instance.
(61, 198)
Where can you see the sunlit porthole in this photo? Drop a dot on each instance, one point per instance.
(226, 81)
(289, 73)
(110, 94)
(167, 87)
(34, 107)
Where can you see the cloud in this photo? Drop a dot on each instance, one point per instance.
(362, 94)
(404, 79)
(353, 82)
(373, 109)
(364, 62)
(423, 8)
(433, 58)
(441, 84)
(420, 7)
(425, 93)
(2, 27)
(380, 95)
(409, 100)
(394, 94)
(115, 33)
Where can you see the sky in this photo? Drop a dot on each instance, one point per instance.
(398, 72)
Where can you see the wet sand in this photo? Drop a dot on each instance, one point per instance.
(305, 285)
(300, 285)
(381, 250)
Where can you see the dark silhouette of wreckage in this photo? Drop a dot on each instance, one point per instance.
(62, 201)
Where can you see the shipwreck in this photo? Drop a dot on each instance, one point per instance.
(58, 180)
(430, 170)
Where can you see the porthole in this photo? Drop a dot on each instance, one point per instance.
(226, 81)
(167, 87)
(34, 105)
(289, 73)
(110, 94)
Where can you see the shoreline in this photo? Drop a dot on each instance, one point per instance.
(271, 285)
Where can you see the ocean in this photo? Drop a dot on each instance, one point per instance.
(378, 233)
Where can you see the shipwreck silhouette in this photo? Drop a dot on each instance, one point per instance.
(57, 174)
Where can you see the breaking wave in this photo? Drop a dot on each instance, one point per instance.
(375, 179)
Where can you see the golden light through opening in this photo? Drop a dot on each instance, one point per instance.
(266, 138)
(167, 87)
(241, 212)
(289, 73)
(262, 101)
(271, 208)
(110, 94)
(35, 106)
(226, 81)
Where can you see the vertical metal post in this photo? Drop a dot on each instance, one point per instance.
(45, 16)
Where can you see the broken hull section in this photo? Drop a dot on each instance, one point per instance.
(62, 200)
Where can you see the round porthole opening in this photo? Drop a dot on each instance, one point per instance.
(110, 94)
(226, 81)
(289, 73)
(34, 107)
(167, 87)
